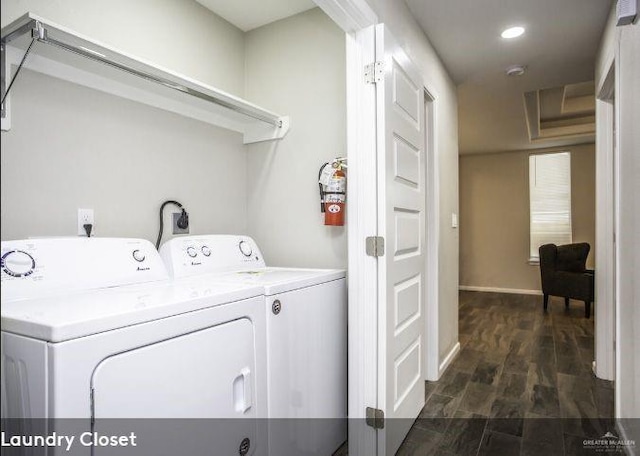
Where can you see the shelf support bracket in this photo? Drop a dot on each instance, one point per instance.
(259, 133)
(38, 33)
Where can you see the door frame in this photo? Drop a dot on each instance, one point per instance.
(357, 20)
(362, 221)
(433, 369)
(606, 226)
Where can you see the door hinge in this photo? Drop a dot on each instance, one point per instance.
(374, 72)
(375, 246)
(375, 418)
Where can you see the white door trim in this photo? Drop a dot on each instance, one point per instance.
(354, 17)
(605, 295)
(350, 15)
(432, 211)
(361, 222)
(357, 20)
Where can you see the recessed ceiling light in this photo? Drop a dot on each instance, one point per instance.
(513, 32)
(516, 70)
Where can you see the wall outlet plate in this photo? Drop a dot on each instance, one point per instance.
(85, 216)
(174, 223)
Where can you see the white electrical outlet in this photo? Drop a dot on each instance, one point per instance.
(85, 217)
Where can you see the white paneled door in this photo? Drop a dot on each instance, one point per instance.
(401, 221)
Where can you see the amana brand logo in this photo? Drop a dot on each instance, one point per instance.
(142, 269)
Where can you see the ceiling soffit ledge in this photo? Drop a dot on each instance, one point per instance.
(561, 112)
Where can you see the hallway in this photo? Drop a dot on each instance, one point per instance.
(521, 384)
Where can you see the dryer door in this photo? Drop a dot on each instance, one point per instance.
(206, 376)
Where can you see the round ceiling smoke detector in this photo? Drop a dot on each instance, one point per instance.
(515, 70)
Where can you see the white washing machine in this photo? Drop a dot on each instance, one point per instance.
(92, 329)
(306, 314)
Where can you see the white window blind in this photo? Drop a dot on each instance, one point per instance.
(549, 200)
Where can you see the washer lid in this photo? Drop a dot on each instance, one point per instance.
(281, 280)
(61, 318)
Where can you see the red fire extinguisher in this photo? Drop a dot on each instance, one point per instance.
(333, 191)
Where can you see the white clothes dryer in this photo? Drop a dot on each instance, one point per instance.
(93, 330)
(306, 316)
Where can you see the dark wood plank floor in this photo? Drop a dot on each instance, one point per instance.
(522, 383)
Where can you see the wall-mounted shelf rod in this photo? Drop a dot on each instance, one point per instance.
(42, 36)
(82, 60)
(164, 82)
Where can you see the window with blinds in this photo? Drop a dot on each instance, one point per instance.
(549, 200)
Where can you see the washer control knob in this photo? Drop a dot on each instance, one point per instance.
(245, 446)
(245, 248)
(191, 251)
(17, 263)
(138, 256)
(206, 251)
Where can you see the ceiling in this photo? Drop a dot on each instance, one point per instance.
(250, 14)
(558, 48)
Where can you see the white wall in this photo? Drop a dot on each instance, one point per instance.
(623, 45)
(403, 26)
(494, 210)
(180, 35)
(72, 147)
(296, 66)
(127, 158)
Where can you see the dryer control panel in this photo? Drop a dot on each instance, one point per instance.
(191, 255)
(39, 267)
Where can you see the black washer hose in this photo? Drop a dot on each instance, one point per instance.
(183, 221)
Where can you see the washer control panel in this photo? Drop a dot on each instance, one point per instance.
(38, 267)
(191, 255)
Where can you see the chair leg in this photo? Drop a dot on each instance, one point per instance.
(546, 301)
(587, 309)
(566, 303)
